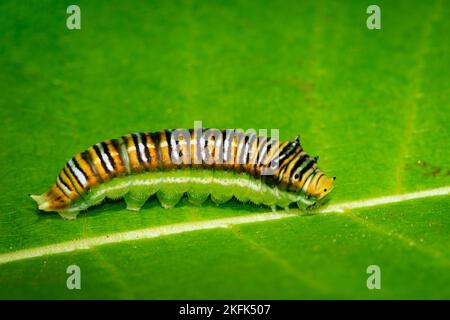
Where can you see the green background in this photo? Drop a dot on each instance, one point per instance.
(374, 104)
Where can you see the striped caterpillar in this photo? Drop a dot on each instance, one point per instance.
(196, 162)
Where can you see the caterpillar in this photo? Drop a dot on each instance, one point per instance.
(199, 163)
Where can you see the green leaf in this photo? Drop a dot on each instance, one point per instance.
(374, 104)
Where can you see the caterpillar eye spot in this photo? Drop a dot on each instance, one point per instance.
(324, 190)
(296, 176)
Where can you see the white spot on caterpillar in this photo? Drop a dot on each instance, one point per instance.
(63, 187)
(141, 149)
(78, 173)
(105, 157)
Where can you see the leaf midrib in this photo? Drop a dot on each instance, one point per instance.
(154, 232)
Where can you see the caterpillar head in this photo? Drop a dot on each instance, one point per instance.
(320, 186)
(313, 183)
(305, 177)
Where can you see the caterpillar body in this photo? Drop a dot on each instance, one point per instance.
(172, 163)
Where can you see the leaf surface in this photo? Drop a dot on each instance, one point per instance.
(374, 104)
